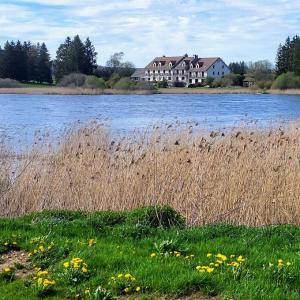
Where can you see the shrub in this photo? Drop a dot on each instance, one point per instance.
(94, 82)
(157, 216)
(114, 78)
(286, 81)
(209, 80)
(222, 82)
(73, 80)
(162, 84)
(124, 84)
(263, 84)
(179, 84)
(9, 83)
(142, 85)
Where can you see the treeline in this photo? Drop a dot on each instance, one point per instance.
(25, 62)
(75, 64)
(288, 56)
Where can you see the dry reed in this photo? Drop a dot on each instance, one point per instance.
(240, 177)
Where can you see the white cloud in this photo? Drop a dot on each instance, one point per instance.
(235, 30)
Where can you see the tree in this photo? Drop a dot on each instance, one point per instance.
(74, 56)
(44, 73)
(238, 67)
(116, 65)
(261, 70)
(288, 56)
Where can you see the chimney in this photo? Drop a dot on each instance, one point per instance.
(195, 56)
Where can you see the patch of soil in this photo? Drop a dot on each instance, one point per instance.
(18, 260)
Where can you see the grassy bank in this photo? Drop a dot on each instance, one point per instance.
(135, 256)
(244, 176)
(53, 90)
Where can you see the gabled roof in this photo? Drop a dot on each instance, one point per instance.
(139, 72)
(165, 61)
(205, 63)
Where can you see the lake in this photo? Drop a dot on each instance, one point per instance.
(22, 115)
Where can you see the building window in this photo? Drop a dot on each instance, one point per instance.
(223, 67)
(202, 74)
(191, 81)
(196, 80)
(218, 73)
(183, 64)
(191, 66)
(158, 71)
(149, 79)
(213, 66)
(190, 73)
(154, 65)
(213, 73)
(183, 78)
(169, 78)
(159, 64)
(197, 66)
(222, 73)
(170, 64)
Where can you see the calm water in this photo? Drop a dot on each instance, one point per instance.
(22, 115)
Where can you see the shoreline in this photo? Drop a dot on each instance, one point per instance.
(167, 91)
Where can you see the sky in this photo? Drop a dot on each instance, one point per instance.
(235, 30)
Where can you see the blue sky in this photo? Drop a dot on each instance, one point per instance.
(233, 29)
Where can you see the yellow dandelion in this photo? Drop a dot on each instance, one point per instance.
(138, 289)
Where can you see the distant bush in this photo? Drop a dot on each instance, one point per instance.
(162, 84)
(264, 84)
(124, 84)
(222, 82)
(143, 85)
(286, 81)
(9, 83)
(179, 84)
(113, 80)
(73, 80)
(156, 216)
(94, 82)
(209, 81)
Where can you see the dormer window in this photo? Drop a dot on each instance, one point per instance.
(191, 66)
(197, 66)
(154, 65)
(159, 64)
(183, 64)
(170, 64)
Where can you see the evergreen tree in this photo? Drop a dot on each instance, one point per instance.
(44, 73)
(74, 56)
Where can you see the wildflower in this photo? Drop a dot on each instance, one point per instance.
(232, 256)
(209, 270)
(6, 270)
(221, 256)
(5, 244)
(240, 259)
(87, 291)
(91, 242)
(209, 255)
(84, 270)
(120, 275)
(126, 290)
(48, 282)
(66, 264)
(138, 288)
(40, 280)
(153, 254)
(288, 264)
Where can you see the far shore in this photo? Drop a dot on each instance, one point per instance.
(83, 91)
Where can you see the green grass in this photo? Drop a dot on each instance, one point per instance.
(35, 85)
(125, 241)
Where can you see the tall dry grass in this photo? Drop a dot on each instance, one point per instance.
(241, 177)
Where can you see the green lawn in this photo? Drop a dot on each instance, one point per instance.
(126, 254)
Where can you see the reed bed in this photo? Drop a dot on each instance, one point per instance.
(242, 176)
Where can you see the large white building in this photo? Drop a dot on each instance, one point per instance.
(182, 70)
